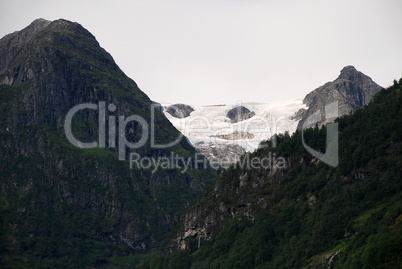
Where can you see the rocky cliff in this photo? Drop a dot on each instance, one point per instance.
(239, 113)
(179, 110)
(61, 203)
(220, 154)
(352, 90)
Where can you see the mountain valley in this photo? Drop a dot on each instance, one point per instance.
(214, 186)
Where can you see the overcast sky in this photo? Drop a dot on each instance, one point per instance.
(225, 51)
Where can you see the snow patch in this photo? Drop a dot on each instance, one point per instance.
(206, 122)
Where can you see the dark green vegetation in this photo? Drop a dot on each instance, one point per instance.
(312, 216)
(62, 206)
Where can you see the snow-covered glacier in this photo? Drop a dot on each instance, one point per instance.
(209, 126)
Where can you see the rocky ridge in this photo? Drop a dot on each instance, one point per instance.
(351, 90)
(180, 111)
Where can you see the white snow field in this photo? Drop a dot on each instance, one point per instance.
(205, 123)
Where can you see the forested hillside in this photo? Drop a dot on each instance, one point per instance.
(310, 215)
(64, 206)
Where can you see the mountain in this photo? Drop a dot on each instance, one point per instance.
(280, 207)
(65, 206)
(352, 90)
(208, 127)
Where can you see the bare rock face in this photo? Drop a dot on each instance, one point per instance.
(239, 113)
(352, 90)
(221, 153)
(236, 136)
(179, 110)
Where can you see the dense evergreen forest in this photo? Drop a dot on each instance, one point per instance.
(315, 216)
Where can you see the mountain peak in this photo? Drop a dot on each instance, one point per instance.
(40, 21)
(347, 72)
(352, 89)
(47, 69)
(36, 26)
(41, 24)
(46, 37)
(348, 68)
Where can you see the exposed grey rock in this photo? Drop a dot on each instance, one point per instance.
(221, 153)
(352, 90)
(239, 113)
(179, 110)
(236, 136)
(312, 200)
(299, 114)
(157, 106)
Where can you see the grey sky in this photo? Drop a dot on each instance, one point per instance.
(222, 51)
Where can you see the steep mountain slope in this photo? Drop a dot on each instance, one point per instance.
(298, 212)
(66, 206)
(352, 89)
(209, 127)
